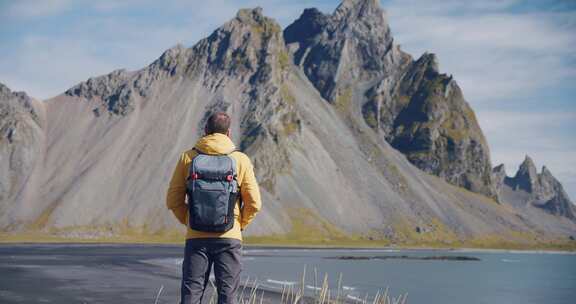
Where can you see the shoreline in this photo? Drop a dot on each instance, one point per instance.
(248, 246)
(552, 245)
(488, 242)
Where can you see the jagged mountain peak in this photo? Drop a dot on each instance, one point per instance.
(307, 26)
(248, 44)
(528, 162)
(362, 20)
(4, 90)
(173, 60)
(173, 53)
(527, 175)
(11, 100)
(99, 86)
(500, 168)
(109, 91)
(499, 176)
(249, 30)
(549, 194)
(428, 61)
(311, 13)
(352, 44)
(546, 172)
(6, 93)
(255, 20)
(359, 9)
(543, 190)
(251, 15)
(527, 166)
(548, 183)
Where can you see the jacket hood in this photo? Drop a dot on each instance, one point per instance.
(215, 144)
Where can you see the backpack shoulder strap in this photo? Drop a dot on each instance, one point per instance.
(235, 174)
(197, 150)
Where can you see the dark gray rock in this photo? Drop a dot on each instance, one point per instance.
(338, 50)
(437, 130)
(560, 205)
(498, 176)
(17, 100)
(550, 191)
(526, 177)
(407, 257)
(113, 91)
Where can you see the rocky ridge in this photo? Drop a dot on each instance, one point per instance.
(542, 189)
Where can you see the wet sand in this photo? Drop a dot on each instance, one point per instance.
(80, 273)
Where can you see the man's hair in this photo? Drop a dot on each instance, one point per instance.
(218, 122)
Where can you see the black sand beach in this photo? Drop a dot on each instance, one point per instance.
(83, 273)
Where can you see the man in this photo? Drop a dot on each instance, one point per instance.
(221, 249)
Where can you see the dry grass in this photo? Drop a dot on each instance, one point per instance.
(250, 293)
(327, 237)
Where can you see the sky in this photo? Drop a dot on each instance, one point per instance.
(514, 60)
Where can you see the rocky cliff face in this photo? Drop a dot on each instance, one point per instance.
(437, 130)
(541, 190)
(499, 174)
(351, 54)
(352, 45)
(21, 149)
(111, 142)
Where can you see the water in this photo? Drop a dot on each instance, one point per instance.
(134, 274)
(514, 277)
(499, 277)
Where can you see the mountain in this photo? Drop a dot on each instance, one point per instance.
(301, 101)
(351, 58)
(528, 187)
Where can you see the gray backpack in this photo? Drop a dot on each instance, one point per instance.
(212, 189)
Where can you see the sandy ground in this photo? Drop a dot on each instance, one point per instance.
(70, 273)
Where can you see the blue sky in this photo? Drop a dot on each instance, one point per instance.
(515, 60)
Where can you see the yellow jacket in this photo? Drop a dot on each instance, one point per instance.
(176, 196)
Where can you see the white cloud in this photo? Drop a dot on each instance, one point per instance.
(44, 64)
(47, 65)
(493, 56)
(435, 7)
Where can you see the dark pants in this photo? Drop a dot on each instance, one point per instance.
(199, 257)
